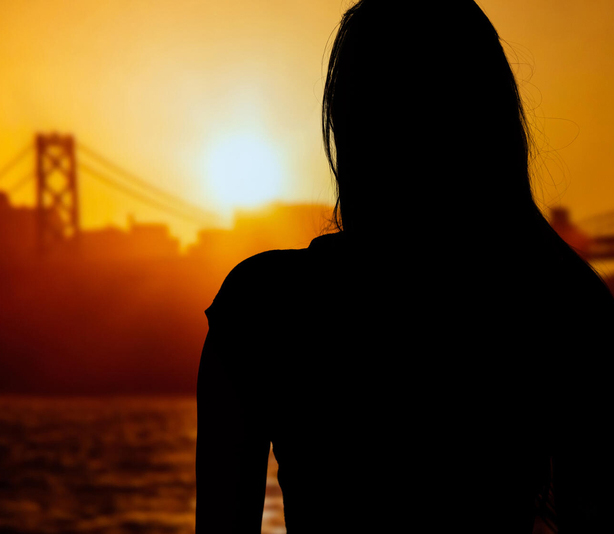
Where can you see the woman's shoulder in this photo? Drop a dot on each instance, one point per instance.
(262, 266)
(264, 278)
(252, 280)
(273, 263)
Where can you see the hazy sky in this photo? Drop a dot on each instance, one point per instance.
(169, 88)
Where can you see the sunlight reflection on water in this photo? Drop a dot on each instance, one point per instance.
(118, 465)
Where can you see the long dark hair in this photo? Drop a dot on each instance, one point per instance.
(422, 121)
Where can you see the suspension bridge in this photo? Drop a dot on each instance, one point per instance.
(61, 162)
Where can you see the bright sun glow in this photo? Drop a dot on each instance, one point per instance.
(243, 171)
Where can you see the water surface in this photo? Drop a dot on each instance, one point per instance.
(104, 466)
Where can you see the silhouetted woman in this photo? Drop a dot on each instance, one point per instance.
(438, 363)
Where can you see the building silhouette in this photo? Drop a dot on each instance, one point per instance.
(19, 239)
(141, 241)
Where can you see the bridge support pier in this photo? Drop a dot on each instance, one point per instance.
(56, 191)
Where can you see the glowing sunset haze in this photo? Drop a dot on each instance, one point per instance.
(170, 89)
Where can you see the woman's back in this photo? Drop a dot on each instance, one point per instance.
(393, 397)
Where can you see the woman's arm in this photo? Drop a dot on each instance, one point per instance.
(232, 450)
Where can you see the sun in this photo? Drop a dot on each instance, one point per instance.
(243, 171)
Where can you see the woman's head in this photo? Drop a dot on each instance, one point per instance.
(422, 119)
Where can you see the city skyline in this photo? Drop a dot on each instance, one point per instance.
(169, 91)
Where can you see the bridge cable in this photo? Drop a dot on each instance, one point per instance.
(142, 198)
(15, 160)
(139, 181)
(20, 183)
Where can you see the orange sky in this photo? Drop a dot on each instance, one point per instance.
(168, 88)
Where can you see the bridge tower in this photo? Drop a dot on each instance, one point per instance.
(56, 191)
